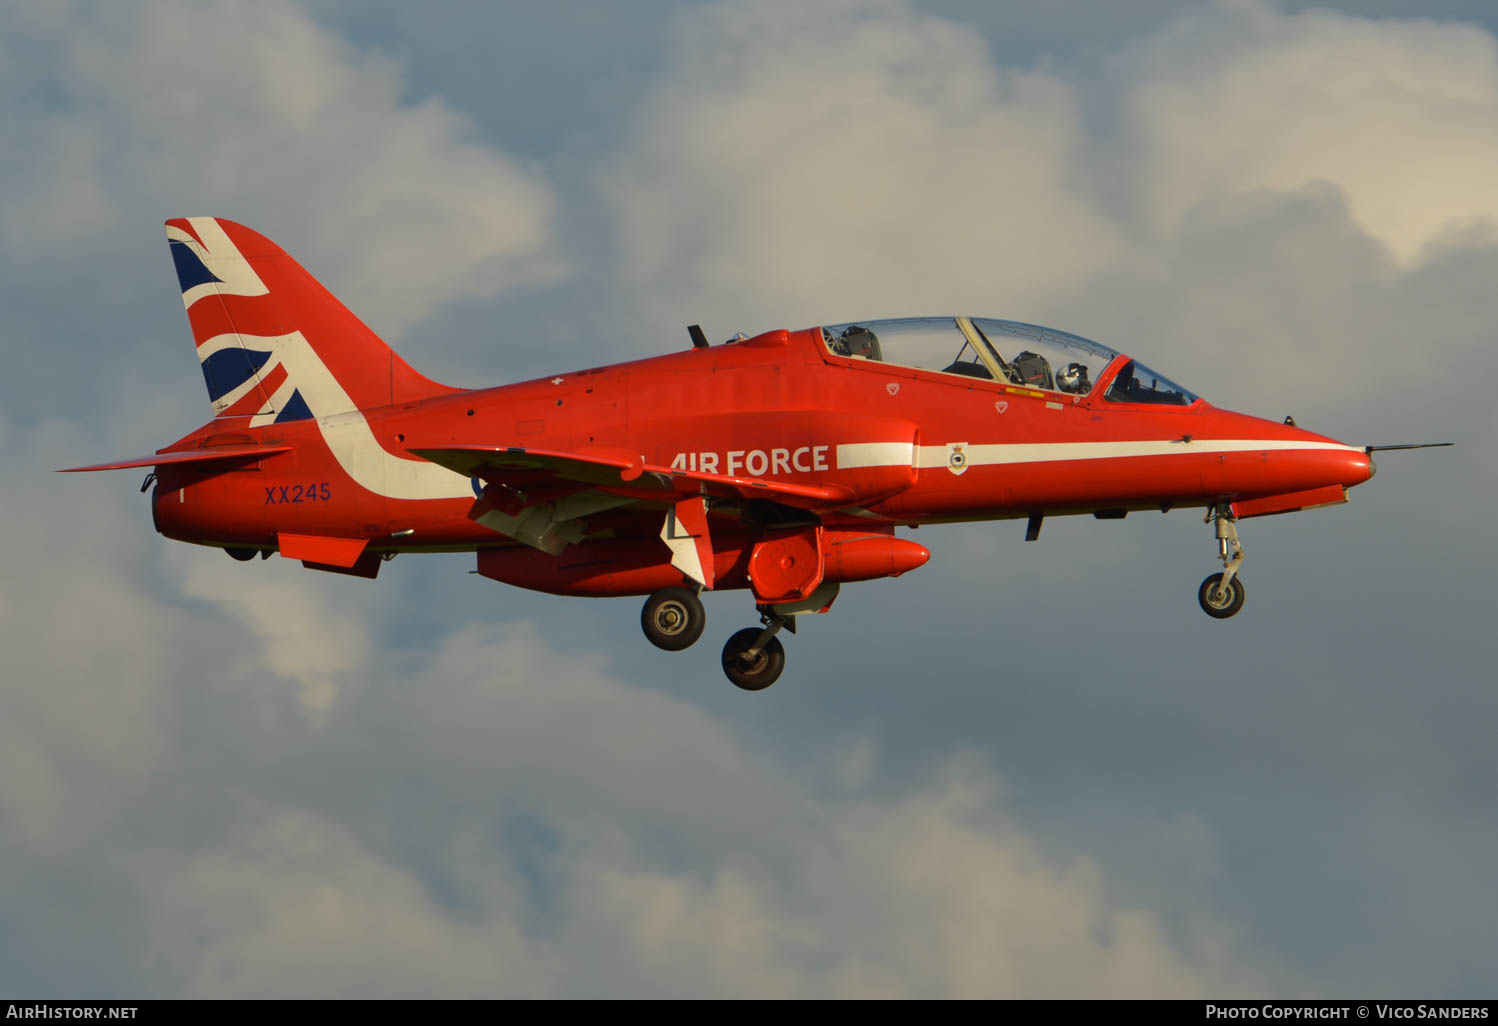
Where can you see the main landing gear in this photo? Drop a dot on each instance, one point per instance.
(754, 656)
(753, 659)
(673, 618)
(1221, 595)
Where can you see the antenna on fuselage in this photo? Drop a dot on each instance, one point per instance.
(699, 340)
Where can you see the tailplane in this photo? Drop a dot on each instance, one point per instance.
(274, 344)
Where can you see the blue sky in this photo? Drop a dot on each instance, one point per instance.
(1025, 770)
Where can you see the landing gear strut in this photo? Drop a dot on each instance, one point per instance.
(673, 618)
(754, 657)
(1221, 595)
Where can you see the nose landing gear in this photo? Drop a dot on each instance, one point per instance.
(1221, 595)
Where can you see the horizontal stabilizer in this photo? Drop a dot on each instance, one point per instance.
(615, 472)
(216, 454)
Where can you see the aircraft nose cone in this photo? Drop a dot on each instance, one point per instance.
(1355, 468)
(1343, 466)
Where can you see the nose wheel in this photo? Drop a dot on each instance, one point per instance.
(673, 618)
(1219, 600)
(1221, 595)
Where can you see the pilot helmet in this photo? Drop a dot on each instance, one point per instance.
(1073, 378)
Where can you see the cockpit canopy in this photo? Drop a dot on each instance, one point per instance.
(1020, 354)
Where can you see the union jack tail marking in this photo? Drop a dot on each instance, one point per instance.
(274, 344)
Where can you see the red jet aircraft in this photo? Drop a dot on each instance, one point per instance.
(781, 463)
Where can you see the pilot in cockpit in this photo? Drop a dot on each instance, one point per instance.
(1073, 378)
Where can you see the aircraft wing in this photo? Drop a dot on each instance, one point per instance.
(621, 473)
(213, 454)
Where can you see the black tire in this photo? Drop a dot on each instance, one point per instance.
(1220, 610)
(673, 618)
(242, 555)
(763, 671)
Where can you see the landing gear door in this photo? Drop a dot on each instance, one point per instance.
(787, 566)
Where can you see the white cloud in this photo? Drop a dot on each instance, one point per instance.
(295, 905)
(1289, 213)
(838, 160)
(370, 851)
(1401, 116)
(480, 813)
(86, 653)
(257, 113)
(300, 620)
(860, 159)
(935, 893)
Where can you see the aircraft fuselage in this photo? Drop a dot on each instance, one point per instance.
(910, 447)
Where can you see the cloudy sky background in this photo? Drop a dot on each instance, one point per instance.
(1025, 770)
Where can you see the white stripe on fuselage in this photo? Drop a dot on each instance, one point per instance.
(374, 467)
(347, 433)
(876, 454)
(353, 444)
(901, 454)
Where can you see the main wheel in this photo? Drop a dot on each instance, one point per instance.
(242, 555)
(673, 618)
(753, 674)
(1226, 606)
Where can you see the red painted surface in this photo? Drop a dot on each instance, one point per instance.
(786, 566)
(1311, 498)
(864, 555)
(789, 397)
(343, 552)
(764, 429)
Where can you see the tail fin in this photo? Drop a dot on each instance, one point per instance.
(274, 344)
